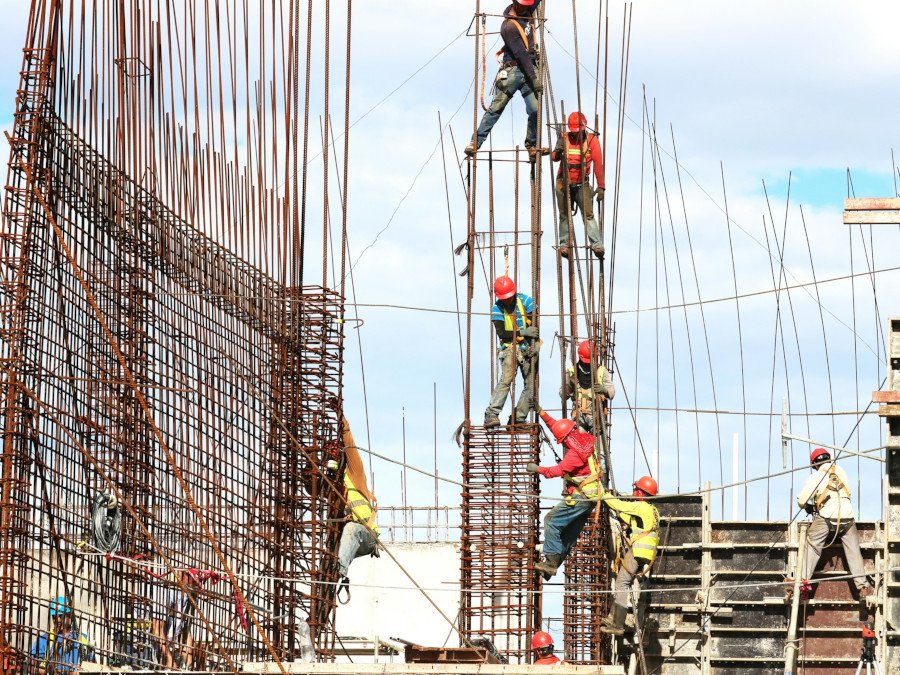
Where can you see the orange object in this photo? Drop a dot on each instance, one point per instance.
(504, 288)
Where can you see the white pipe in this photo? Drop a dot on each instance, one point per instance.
(735, 477)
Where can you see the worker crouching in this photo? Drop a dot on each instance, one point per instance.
(581, 471)
(636, 548)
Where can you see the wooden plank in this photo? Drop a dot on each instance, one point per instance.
(886, 396)
(872, 204)
(891, 217)
(889, 411)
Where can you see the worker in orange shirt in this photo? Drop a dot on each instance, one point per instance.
(577, 151)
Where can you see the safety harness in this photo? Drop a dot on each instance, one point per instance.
(578, 158)
(586, 486)
(636, 542)
(509, 319)
(513, 17)
(835, 486)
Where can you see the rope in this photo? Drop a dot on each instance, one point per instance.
(106, 522)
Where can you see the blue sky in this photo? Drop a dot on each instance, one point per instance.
(759, 87)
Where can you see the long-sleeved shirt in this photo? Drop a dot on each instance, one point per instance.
(579, 448)
(639, 517)
(500, 312)
(596, 159)
(581, 374)
(514, 48)
(838, 504)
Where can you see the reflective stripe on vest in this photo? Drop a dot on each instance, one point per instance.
(578, 157)
(509, 319)
(358, 507)
(644, 540)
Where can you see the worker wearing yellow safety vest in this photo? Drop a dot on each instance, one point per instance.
(579, 388)
(513, 319)
(826, 495)
(582, 474)
(636, 550)
(360, 533)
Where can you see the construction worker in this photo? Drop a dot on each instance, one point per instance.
(578, 387)
(360, 534)
(636, 547)
(517, 73)
(577, 150)
(512, 316)
(173, 626)
(826, 495)
(64, 648)
(581, 472)
(542, 645)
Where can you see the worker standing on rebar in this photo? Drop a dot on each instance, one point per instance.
(513, 319)
(577, 150)
(582, 474)
(519, 71)
(64, 648)
(579, 388)
(360, 534)
(826, 495)
(635, 548)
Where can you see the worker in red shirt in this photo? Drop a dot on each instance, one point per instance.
(578, 151)
(542, 644)
(581, 471)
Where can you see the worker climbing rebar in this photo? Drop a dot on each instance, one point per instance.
(826, 496)
(513, 319)
(635, 547)
(581, 472)
(579, 388)
(578, 150)
(360, 533)
(519, 72)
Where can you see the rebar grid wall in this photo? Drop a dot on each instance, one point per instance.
(141, 357)
(499, 599)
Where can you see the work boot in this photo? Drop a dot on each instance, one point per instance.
(866, 592)
(614, 622)
(564, 251)
(548, 566)
(471, 149)
(491, 422)
(598, 250)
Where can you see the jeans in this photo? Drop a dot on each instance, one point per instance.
(509, 361)
(505, 89)
(583, 196)
(820, 532)
(356, 541)
(563, 523)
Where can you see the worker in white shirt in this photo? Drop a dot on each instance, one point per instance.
(826, 495)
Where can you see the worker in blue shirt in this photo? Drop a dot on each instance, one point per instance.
(64, 648)
(513, 316)
(517, 73)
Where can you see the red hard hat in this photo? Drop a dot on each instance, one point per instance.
(647, 484)
(577, 122)
(817, 453)
(526, 3)
(504, 288)
(541, 639)
(584, 351)
(561, 429)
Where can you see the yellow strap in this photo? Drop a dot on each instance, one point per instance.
(834, 483)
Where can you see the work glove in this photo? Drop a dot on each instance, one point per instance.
(530, 332)
(600, 192)
(531, 467)
(538, 88)
(599, 389)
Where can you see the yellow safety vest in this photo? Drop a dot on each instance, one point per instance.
(587, 486)
(509, 318)
(359, 508)
(642, 519)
